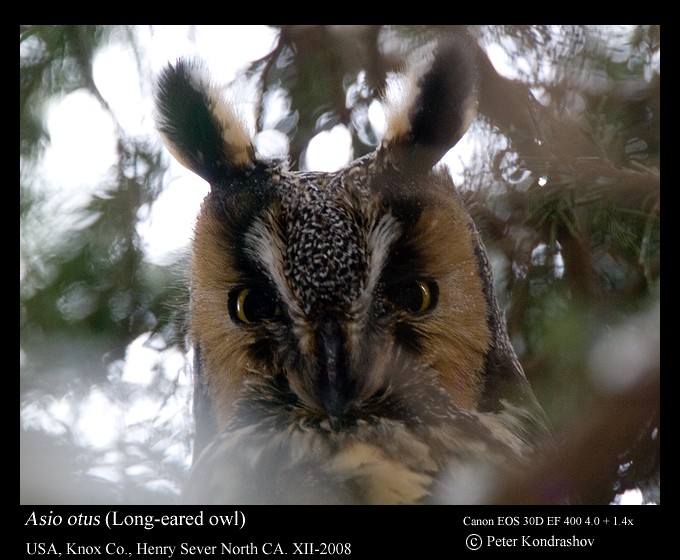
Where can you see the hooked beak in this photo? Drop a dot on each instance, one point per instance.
(334, 384)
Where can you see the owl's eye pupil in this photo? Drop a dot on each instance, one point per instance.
(414, 296)
(251, 305)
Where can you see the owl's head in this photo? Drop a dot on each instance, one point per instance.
(331, 293)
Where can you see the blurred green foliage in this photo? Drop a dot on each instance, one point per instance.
(563, 183)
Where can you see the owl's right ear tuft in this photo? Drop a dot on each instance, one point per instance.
(198, 126)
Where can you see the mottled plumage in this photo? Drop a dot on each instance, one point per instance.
(349, 347)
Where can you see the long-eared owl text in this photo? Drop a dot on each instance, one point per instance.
(348, 344)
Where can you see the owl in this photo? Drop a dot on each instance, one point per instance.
(348, 345)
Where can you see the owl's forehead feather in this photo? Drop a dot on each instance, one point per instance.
(325, 256)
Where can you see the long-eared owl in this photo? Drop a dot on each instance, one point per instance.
(348, 344)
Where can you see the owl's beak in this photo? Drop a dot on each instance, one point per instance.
(334, 386)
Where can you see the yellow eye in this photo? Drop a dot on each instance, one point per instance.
(252, 305)
(414, 296)
(241, 305)
(425, 296)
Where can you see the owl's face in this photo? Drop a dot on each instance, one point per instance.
(345, 326)
(324, 279)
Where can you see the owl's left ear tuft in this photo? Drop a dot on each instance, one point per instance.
(431, 108)
(199, 127)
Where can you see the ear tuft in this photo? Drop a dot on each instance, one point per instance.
(430, 110)
(201, 130)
